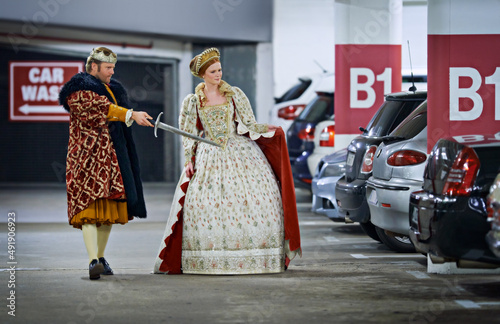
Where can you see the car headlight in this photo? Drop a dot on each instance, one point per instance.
(333, 170)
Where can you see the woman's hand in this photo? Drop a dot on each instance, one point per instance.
(271, 128)
(141, 118)
(189, 169)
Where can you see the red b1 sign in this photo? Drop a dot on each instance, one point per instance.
(466, 86)
(34, 89)
(363, 75)
(463, 70)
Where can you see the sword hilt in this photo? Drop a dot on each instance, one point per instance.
(157, 122)
(177, 131)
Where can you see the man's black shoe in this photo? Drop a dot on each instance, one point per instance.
(107, 269)
(95, 269)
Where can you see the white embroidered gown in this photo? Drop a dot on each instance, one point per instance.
(232, 217)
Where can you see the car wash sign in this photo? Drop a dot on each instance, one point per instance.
(34, 90)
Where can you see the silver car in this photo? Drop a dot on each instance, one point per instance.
(329, 170)
(398, 169)
(493, 236)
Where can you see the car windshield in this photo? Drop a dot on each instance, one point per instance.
(319, 109)
(295, 91)
(413, 124)
(389, 115)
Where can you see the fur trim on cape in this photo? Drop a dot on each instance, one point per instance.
(85, 81)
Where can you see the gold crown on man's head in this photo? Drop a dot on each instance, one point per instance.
(103, 55)
(204, 57)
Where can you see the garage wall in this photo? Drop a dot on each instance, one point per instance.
(303, 34)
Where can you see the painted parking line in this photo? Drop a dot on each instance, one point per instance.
(20, 269)
(314, 223)
(364, 246)
(362, 256)
(349, 241)
(418, 274)
(305, 207)
(304, 204)
(470, 304)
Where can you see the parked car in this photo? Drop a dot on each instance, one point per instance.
(398, 170)
(289, 106)
(328, 172)
(324, 142)
(350, 190)
(448, 218)
(300, 136)
(493, 236)
(324, 137)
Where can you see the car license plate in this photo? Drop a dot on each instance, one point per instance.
(350, 159)
(373, 197)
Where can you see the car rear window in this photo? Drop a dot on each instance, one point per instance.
(416, 78)
(389, 115)
(413, 124)
(490, 162)
(319, 109)
(295, 91)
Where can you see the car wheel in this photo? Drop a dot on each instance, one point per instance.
(396, 242)
(369, 230)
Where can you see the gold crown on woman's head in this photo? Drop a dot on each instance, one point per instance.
(203, 58)
(103, 54)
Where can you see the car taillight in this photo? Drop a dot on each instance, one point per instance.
(462, 174)
(406, 157)
(327, 136)
(306, 134)
(290, 112)
(368, 159)
(489, 210)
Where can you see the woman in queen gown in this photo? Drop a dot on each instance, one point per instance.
(233, 211)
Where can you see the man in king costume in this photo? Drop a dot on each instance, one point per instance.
(102, 167)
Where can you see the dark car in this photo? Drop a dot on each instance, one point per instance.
(448, 218)
(300, 136)
(350, 190)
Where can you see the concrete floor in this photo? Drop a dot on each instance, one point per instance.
(343, 276)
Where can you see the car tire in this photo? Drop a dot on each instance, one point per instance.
(398, 242)
(369, 230)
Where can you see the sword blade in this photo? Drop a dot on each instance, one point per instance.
(177, 131)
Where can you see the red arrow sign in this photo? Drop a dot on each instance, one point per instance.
(34, 89)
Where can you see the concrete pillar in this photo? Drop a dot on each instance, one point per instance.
(368, 36)
(264, 95)
(463, 69)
